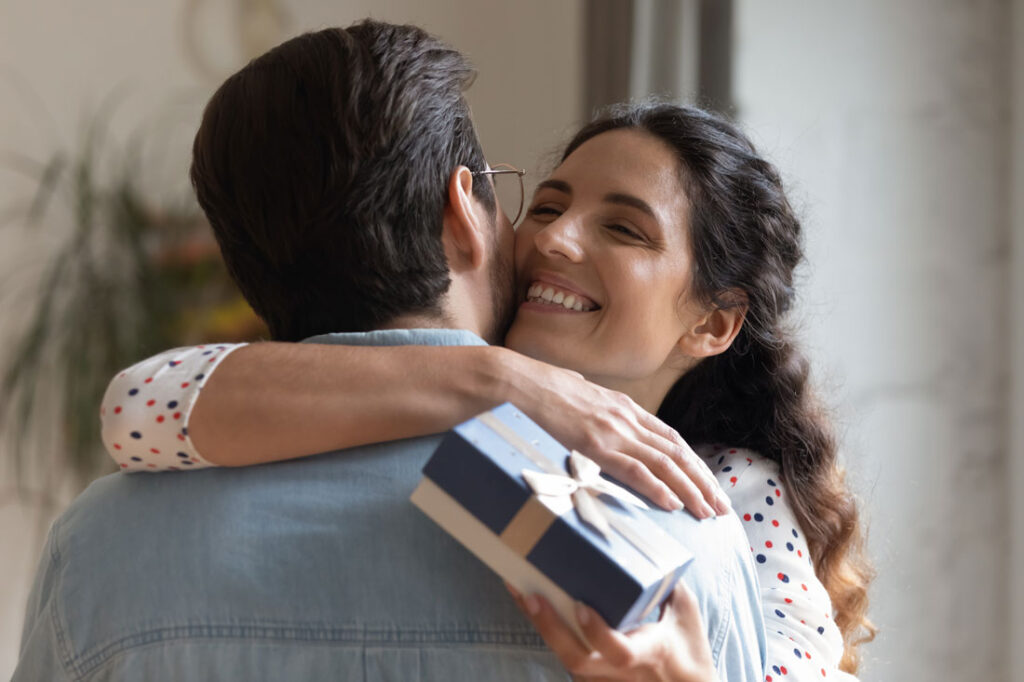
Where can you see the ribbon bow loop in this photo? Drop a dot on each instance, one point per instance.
(583, 487)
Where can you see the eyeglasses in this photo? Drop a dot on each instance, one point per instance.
(509, 193)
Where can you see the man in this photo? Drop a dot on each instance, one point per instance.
(336, 172)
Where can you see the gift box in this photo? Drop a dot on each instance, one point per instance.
(547, 521)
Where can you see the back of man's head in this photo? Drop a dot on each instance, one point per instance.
(323, 168)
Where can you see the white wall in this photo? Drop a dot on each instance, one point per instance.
(73, 54)
(890, 121)
(1016, 415)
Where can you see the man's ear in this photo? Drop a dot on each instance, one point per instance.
(715, 330)
(465, 229)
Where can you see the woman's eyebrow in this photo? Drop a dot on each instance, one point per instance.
(631, 201)
(557, 185)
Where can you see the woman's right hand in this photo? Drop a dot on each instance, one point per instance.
(627, 441)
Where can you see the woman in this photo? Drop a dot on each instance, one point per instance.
(657, 261)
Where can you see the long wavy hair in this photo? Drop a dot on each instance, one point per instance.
(745, 237)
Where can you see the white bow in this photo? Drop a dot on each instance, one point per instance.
(583, 487)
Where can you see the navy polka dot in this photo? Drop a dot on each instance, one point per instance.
(136, 435)
(821, 630)
(207, 352)
(789, 546)
(136, 459)
(795, 534)
(771, 482)
(184, 431)
(761, 558)
(797, 652)
(758, 517)
(780, 614)
(182, 455)
(171, 405)
(726, 469)
(199, 376)
(186, 462)
(133, 391)
(783, 577)
(769, 501)
(776, 668)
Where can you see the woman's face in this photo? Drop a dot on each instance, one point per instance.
(604, 266)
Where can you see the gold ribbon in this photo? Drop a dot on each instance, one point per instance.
(555, 493)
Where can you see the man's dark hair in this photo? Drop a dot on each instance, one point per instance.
(323, 167)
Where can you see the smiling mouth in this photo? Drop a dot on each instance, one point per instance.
(550, 295)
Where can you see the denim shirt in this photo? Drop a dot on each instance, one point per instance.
(314, 569)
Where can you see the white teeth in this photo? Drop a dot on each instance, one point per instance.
(546, 294)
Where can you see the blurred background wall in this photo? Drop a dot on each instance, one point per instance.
(898, 127)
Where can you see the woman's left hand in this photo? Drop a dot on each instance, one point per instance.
(674, 648)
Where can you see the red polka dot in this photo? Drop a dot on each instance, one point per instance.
(783, 669)
(775, 523)
(149, 380)
(768, 544)
(823, 672)
(778, 493)
(749, 461)
(212, 359)
(185, 385)
(746, 517)
(181, 437)
(117, 410)
(767, 678)
(799, 553)
(194, 459)
(781, 576)
(806, 653)
(788, 600)
(150, 403)
(154, 451)
(733, 480)
(160, 419)
(124, 466)
(803, 586)
(177, 415)
(151, 466)
(732, 452)
(117, 446)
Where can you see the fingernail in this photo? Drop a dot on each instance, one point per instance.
(582, 614)
(723, 503)
(674, 500)
(532, 604)
(706, 510)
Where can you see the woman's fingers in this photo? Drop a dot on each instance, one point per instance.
(635, 472)
(559, 637)
(688, 467)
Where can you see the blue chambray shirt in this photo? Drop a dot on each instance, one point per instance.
(315, 569)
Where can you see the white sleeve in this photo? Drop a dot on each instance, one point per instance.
(145, 411)
(804, 642)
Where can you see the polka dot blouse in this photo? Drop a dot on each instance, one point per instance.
(145, 428)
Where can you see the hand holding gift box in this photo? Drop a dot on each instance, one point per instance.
(547, 522)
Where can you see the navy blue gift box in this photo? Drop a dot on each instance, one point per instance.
(545, 521)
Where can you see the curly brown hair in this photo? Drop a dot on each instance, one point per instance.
(746, 237)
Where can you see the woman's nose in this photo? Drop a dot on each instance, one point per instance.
(560, 238)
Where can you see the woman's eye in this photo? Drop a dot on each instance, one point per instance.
(624, 231)
(545, 211)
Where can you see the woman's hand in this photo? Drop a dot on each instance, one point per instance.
(675, 648)
(626, 440)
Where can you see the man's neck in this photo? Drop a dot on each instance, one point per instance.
(442, 321)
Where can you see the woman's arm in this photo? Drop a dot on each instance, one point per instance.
(803, 640)
(273, 401)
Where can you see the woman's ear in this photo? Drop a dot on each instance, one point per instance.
(465, 229)
(716, 329)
